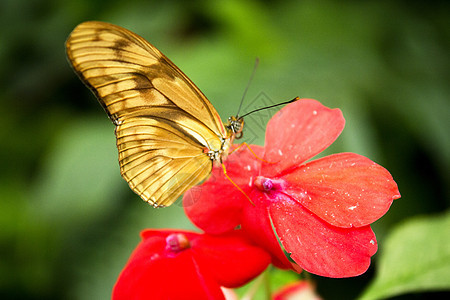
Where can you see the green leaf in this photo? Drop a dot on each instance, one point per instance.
(416, 257)
(267, 283)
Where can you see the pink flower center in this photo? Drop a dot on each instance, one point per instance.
(266, 184)
(177, 242)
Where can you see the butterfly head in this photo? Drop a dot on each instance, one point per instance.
(235, 125)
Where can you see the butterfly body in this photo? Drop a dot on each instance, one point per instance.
(168, 134)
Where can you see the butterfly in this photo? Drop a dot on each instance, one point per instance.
(168, 134)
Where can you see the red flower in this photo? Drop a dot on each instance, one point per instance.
(186, 265)
(320, 210)
(297, 290)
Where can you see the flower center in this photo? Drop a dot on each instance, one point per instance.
(266, 184)
(177, 242)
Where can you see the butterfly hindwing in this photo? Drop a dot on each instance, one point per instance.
(163, 121)
(159, 162)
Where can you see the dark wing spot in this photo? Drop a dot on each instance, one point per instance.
(96, 36)
(121, 44)
(142, 82)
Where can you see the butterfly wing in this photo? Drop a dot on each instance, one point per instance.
(164, 124)
(159, 161)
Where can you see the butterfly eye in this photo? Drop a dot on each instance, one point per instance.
(235, 126)
(238, 126)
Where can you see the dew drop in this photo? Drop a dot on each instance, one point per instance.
(155, 256)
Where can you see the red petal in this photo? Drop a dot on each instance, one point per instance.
(216, 205)
(257, 226)
(208, 209)
(319, 247)
(297, 290)
(231, 260)
(150, 275)
(343, 189)
(298, 132)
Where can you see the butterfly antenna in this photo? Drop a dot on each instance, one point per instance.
(267, 107)
(248, 85)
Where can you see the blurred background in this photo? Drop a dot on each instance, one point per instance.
(68, 222)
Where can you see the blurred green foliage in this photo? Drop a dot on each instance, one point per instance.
(417, 267)
(68, 222)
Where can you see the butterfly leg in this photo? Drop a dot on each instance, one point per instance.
(254, 154)
(233, 183)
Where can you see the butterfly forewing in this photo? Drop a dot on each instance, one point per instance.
(120, 65)
(164, 124)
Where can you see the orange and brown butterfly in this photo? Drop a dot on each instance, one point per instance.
(168, 133)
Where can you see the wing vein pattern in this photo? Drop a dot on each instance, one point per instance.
(164, 124)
